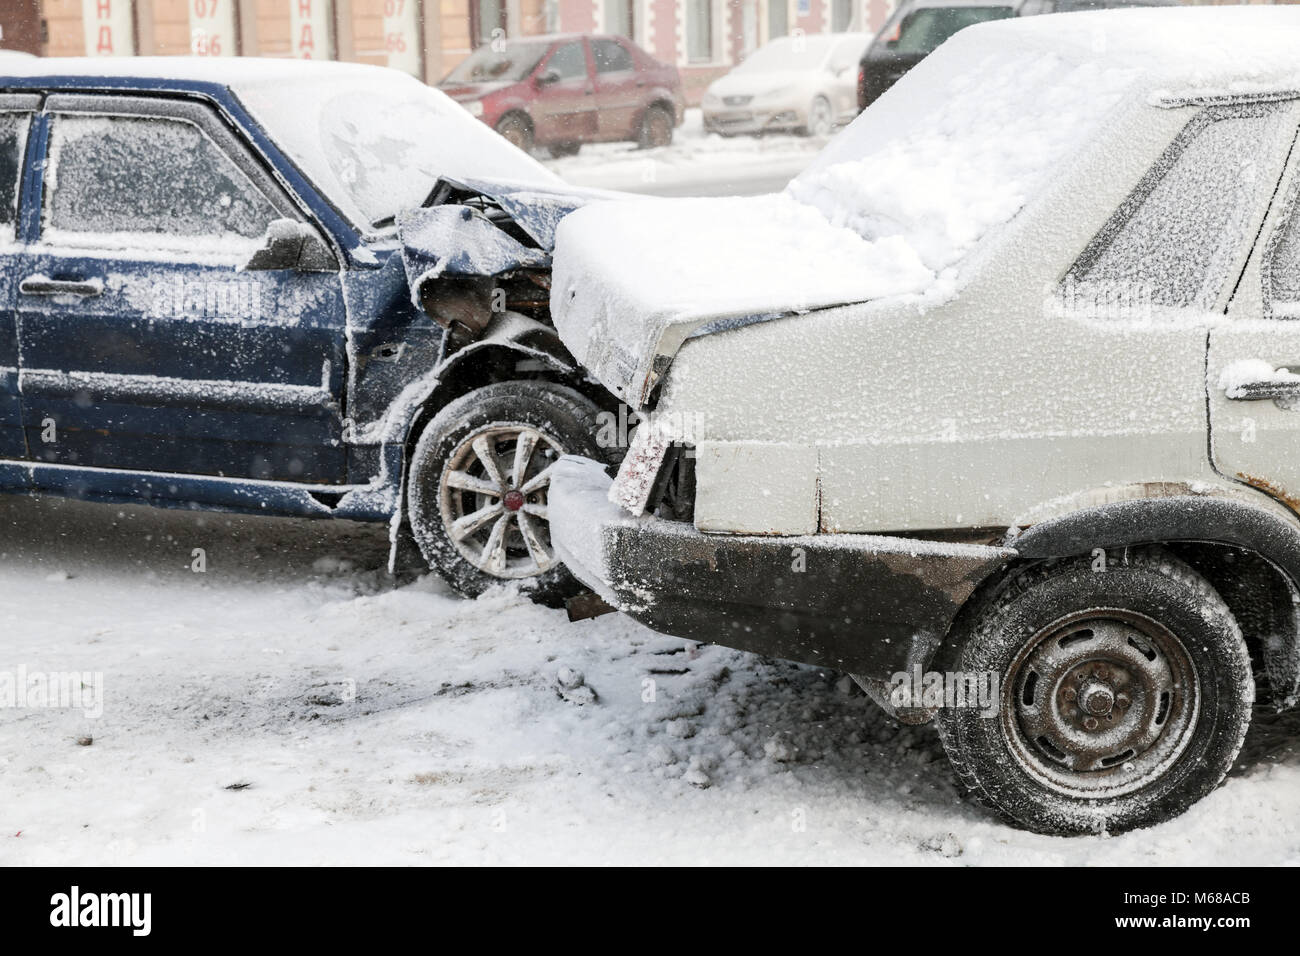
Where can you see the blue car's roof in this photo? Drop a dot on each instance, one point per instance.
(169, 72)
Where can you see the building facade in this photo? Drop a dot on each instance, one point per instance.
(426, 38)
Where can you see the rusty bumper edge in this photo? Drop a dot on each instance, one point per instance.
(866, 604)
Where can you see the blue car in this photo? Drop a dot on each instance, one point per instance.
(285, 288)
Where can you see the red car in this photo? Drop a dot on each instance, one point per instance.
(561, 91)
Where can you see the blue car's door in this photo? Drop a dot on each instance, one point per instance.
(156, 332)
(15, 121)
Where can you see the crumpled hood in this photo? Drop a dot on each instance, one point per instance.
(455, 239)
(632, 281)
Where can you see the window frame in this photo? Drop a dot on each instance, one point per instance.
(595, 59)
(587, 64)
(1284, 211)
(29, 105)
(1163, 166)
(201, 115)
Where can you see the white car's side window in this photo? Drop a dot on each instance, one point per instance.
(1175, 240)
(159, 180)
(13, 140)
(1282, 265)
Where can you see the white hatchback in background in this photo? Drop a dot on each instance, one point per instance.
(1003, 392)
(806, 83)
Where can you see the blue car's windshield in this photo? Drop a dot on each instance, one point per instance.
(375, 142)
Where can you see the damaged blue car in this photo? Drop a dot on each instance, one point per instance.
(311, 289)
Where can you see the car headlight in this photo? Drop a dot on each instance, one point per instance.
(475, 107)
(773, 94)
(711, 99)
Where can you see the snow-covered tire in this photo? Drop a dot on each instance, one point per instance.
(820, 119)
(1125, 694)
(656, 128)
(517, 130)
(450, 481)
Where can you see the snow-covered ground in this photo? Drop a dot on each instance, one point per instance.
(696, 164)
(231, 732)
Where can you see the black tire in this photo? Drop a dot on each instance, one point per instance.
(1094, 662)
(445, 457)
(561, 150)
(516, 130)
(656, 128)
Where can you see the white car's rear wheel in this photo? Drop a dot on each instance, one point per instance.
(1125, 692)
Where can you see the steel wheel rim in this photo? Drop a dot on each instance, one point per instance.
(1100, 703)
(492, 495)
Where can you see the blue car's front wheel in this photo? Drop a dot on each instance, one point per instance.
(479, 478)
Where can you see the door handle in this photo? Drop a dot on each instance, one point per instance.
(1263, 391)
(1254, 381)
(44, 285)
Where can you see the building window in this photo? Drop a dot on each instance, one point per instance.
(841, 15)
(620, 17)
(699, 31)
(485, 16)
(778, 18)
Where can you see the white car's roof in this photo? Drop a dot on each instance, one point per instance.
(1205, 47)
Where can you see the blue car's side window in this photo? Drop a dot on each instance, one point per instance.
(152, 176)
(13, 140)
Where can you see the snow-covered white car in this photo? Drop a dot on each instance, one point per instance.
(805, 83)
(1004, 386)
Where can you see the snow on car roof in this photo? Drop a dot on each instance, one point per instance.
(226, 71)
(942, 160)
(375, 140)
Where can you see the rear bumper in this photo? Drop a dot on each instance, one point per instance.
(866, 604)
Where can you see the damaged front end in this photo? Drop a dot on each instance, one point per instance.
(461, 300)
(478, 249)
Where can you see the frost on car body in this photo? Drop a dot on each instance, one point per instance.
(1056, 246)
(253, 286)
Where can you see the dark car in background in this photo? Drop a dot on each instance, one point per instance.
(561, 91)
(917, 27)
(279, 292)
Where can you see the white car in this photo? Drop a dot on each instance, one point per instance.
(805, 82)
(997, 407)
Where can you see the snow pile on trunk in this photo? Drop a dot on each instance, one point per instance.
(898, 202)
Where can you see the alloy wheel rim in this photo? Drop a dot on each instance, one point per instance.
(1100, 703)
(492, 496)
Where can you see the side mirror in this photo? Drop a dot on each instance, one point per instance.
(289, 244)
(548, 77)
